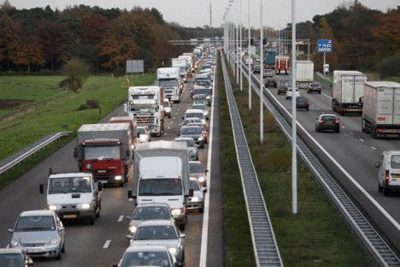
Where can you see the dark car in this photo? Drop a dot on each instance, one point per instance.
(327, 122)
(256, 68)
(271, 82)
(314, 87)
(283, 88)
(268, 73)
(302, 102)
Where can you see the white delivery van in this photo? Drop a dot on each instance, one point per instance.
(389, 172)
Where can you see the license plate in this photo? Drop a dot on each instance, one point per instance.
(101, 171)
(35, 250)
(69, 216)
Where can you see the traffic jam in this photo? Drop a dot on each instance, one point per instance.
(168, 171)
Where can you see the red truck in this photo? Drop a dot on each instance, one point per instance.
(105, 151)
(282, 64)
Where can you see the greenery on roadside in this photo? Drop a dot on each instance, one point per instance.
(317, 236)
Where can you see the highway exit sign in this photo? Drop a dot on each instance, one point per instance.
(324, 46)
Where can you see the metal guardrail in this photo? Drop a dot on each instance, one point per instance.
(264, 243)
(369, 236)
(19, 156)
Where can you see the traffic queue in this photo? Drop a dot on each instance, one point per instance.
(168, 177)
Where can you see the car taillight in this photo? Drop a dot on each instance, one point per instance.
(337, 121)
(387, 177)
(321, 121)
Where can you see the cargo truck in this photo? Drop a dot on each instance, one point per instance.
(282, 64)
(304, 73)
(132, 122)
(182, 64)
(269, 60)
(381, 109)
(348, 88)
(162, 176)
(105, 150)
(146, 106)
(170, 79)
(191, 63)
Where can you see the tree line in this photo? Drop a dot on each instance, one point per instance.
(40, 39)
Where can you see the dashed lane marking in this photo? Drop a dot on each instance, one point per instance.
(106, 244)
(120, 218)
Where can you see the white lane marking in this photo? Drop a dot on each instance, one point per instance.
(361, 140)
(120, 218)
(206, 213)
(326, 95)
(373, 148)
(106, 244)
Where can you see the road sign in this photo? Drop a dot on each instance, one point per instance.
(324, 46)
(134, 66)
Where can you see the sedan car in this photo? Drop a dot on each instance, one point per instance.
(196, 202)
(191, 147)
(283, 87)
(327, 122)
(167, 107)
(147, 256)
(289, 93)
(203, 127)
(40, 232)
(202, 97)
(150, 211)
(194, 132)
(143, 134)
(203, 108)
(271, 82)
(161, 233)
(197, 170)
(302, 103)
(314, 87)
(14, 257)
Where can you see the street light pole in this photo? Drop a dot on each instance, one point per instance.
(261, 75)
(241, 45)
(249, 56)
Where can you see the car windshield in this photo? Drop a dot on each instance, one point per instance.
(190, 120)
(70, 185)
(10, 260)
(168, 82)
(35, 223)
(194, 185)
(166, 104)
(202, 107)
(204, 91)
(191, 130)
(189, 142)
(141, 131)
(146, 258)
(328, 118)
(195, 168)
(102, 152)
(151, 213)
(199, 97)
(395, 161)
(160, 187)
(199, 115)
(155, 232)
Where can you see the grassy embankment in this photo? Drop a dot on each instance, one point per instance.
(316, 236)
(51, 109)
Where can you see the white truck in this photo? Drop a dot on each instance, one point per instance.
(182, 64)
(347, 91)
(162, 176)
(190, 61)
(146, 105)
(105, 150)
(74, 195)
(304, 73)
(170, 79)
(381, 109)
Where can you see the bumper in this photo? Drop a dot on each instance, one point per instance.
(195, 205)
(45, 251)
(72, 213)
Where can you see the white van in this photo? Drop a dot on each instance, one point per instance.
(389, 172)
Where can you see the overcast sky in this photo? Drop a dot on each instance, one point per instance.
(194, 13)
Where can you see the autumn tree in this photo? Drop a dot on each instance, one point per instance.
(387, 33)
(10, 41)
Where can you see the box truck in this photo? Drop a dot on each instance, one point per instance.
(170, 79)
(304, 73)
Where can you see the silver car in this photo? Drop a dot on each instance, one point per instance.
(40, 232)
(197, 170)
(161, 233)
(147, 256)
(196, 202)
(194, 132)
(151, 211)
(167, 107)
(191, 147)
(203, 108)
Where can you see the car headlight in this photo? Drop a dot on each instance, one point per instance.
(132, 229)
(195, 199)
(52, 207)
(85, 206)
(118, 178)
(88, 166)
(15, 243)
(53, 241)
(202, 179)
(173, 251)
(176, 212)
(201, 138)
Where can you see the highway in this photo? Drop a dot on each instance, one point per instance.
(103, 244)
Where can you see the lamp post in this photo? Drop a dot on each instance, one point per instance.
(241, 45)
(249, 55)
(261, 75)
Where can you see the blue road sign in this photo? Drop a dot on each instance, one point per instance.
(324, 46)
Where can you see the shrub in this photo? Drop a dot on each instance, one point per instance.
(77, 71)
(389, 67)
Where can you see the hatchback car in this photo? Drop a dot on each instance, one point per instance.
(283, 87)
(194, 132)
(14, 257)
(314, 87)
(197, 170)
(201, 97)
(196, 202)
(302, 103)
(167, 108)
(271, 82)
(191, 147)
(327, 122)
(203, 108)
(161, 233)
(289, 93)
(147, 256)
(203, 127)
(151, 211)
(40, 232)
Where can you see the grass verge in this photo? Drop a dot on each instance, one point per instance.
(317, 235)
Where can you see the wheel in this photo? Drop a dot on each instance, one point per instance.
(386, 191)
(92, 220)
(98, 212)
(338, 130)
(58, 257)
(63, 248)
(317, 130)
(201, 210)
(380, 188)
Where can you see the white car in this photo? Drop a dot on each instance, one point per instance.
(147, 256)
(196, 202)
(143, 134)
(167, 107)
(289, 93)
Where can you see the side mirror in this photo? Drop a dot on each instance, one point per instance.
(100, 186)
(182, 235)
(129, 237)
(206, 171)
(10, 230)
(378, 164)
(131, 195)
(41, 189)
(190, 192)
(128, 218)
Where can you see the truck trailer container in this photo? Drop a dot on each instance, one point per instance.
(304, 73)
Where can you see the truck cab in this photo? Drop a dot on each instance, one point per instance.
(74, 196)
